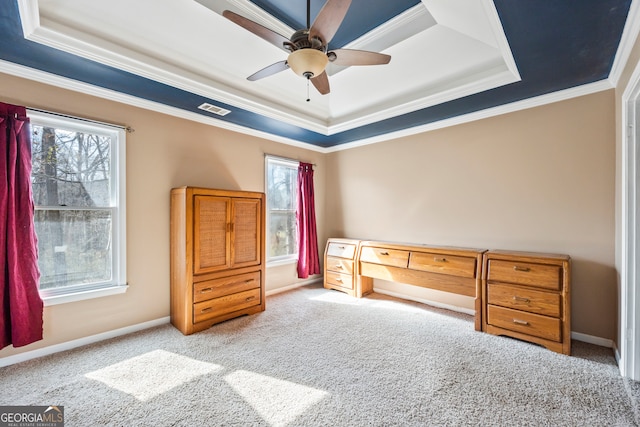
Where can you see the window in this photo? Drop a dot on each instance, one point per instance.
(282, 183)
(78, 186)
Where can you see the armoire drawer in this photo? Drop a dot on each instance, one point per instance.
(219, 306)
(524, 298)
(215, 288)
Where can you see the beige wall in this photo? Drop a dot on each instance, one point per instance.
(163, 152)
(540, 179)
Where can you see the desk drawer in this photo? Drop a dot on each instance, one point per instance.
(525, 273)
(227, 304)
(523, 322)
(341, 250)
(339, 279)
(208, 289)
(392, 257)
(444, 264)
(339, 265)
(522, 298)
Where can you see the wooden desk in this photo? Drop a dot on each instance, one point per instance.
(449, 269)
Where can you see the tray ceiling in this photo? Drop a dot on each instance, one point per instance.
(448, 57)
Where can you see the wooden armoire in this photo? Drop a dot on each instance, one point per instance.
(217, 256)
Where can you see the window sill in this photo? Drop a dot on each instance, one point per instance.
(279, 262)
(84, 295)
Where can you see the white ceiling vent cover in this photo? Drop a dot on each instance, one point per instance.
(213, 109)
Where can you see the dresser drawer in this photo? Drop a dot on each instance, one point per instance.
(527, 299)
(341, 250)
(444, 264)
(339, 265)
(208, 289)
(392, 257)
(219, 306)
(524, 273)
(523, 322)
(339, 279)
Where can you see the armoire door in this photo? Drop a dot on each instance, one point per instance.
(245, 232)
(211, 234)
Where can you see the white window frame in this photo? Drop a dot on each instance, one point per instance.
(282, 259)
(118, 282)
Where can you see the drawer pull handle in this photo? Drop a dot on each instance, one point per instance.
(384, 253)
(206, 290)
(520, 322)
(339, 267)
(521, 299)
(436, 259)
(339, 280)
(341, 247)
(249, 280)
(204, 310)
(518, 268)
(250, 298)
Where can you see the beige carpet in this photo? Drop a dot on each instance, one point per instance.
(322, 358)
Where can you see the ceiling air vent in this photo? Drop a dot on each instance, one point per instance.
(213, 109)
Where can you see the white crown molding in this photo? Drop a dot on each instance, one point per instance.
(538, 101)
(406, 19)
(253, 12)
(85, 88)
(67, 39)
(29, 15)
(501, 38)
(478, 85)
(59, 36)
(65, 83)
(627, 41)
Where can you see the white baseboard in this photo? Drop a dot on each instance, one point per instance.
(294, 286)
(56, 348)
(603, 342)
(425, 301)
(616, 353)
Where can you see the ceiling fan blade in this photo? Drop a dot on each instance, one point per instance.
(269, 71)
(257, 29)
(321, 82)
(348, 57)
(329, 19)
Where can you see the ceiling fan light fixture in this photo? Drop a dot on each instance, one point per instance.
(307, 62)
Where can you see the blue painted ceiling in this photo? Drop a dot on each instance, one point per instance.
(556, 44)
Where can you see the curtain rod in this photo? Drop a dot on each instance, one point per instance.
(129, 129)
(286, 159)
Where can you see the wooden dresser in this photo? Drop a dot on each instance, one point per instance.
(340, 267)
(217, 256)
(527, 296)
(449, 269)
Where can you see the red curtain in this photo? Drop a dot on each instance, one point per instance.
(21, 315)
(308, 260)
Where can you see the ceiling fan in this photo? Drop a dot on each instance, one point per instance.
(308, 48)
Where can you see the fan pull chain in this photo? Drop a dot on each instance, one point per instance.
(308, 97)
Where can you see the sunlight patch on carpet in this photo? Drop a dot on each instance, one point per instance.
(342, 298)
(279, 402)
(151, 374)
(338, 298)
